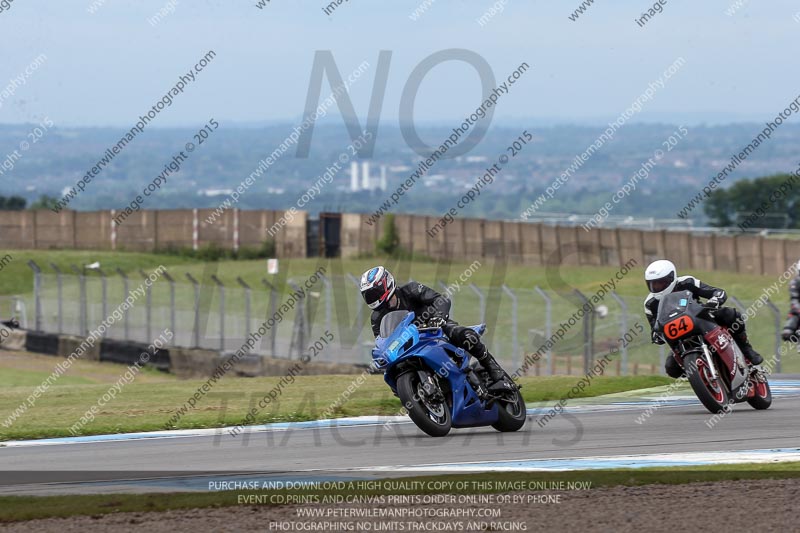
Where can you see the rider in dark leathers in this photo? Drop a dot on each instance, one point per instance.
(793, 320)
(662, 279)
(430, 309)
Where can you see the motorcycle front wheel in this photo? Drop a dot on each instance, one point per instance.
(712, 393)
(432, 417)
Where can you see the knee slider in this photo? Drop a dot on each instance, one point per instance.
(464, 337)
(727, 316)
(471, 337)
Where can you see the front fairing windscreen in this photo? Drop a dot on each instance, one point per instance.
(390, 322)
(672, 305)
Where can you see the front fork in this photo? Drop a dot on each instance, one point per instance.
(710, 362)
(429, 386)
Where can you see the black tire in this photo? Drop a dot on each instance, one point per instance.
(511, 415)
(762, 398)
(715, 398)
(434, 423)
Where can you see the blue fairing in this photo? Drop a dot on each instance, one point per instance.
(407, 343)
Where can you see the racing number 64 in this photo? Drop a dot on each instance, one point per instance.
(678, 327)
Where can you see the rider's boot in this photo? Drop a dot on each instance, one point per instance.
(496, 373)
(747, 349)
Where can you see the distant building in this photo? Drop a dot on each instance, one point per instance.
(382, 185)
(354, 185)
(215, 192)
(365, 181)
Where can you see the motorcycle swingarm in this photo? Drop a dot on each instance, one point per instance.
(495, 393)
(759, 374)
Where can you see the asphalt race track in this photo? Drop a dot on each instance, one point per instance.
(597, 434)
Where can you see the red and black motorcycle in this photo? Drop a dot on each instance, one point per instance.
(715, 366)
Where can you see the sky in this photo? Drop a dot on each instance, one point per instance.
(108, 67)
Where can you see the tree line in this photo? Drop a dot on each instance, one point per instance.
(769, 202)
(18, 203)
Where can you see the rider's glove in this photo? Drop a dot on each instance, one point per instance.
(437, 322)
(717, 300)
(657, 338)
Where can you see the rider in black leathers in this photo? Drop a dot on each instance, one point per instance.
(793, 320)
(662, 279)
(430, 309)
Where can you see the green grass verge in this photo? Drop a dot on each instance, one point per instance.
(12, 377)
(17, 277)
(149, 406)
(20, 508)
(26, 369)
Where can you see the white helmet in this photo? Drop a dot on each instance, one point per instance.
(661, 277)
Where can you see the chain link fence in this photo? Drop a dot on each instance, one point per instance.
(210, 314)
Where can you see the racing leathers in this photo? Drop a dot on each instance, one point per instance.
(728, 317)
(430, 307)
(793, 320)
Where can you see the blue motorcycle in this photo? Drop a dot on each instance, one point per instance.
(440, 385)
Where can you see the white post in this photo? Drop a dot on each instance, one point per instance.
(195, 228)
(113, 231)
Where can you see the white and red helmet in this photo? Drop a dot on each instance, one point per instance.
(377, 286)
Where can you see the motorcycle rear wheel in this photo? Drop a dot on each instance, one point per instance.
(713, 394)
(434, 420)
(511, 416)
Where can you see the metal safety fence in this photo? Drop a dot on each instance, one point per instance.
(538, 330)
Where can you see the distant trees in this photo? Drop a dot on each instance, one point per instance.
(389, 244)
(768, 202)
(44, 202)
(18, 203)
(12, 203)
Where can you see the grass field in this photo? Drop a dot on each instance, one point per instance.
(17, 277)
(21, 369)
(149, 402)
(19, 508)
(11, 377)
